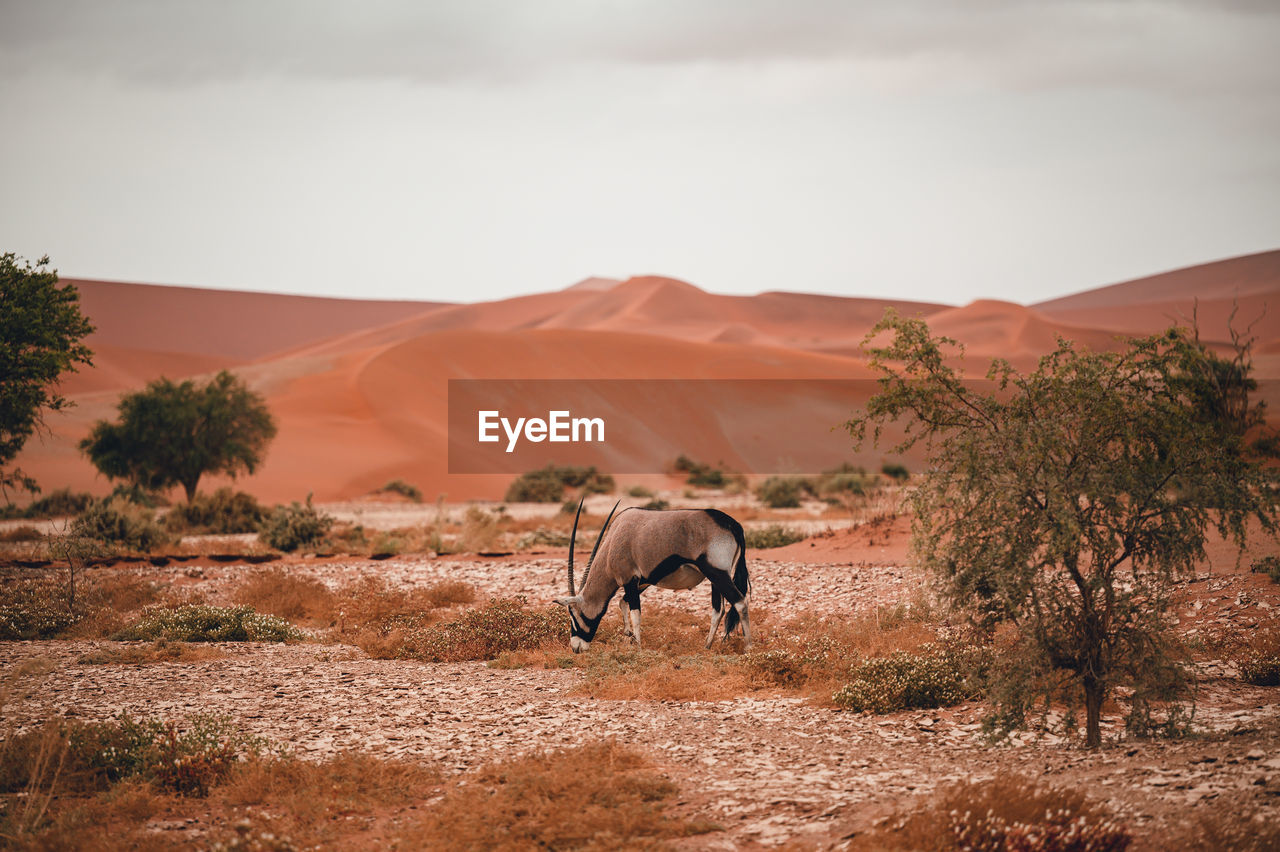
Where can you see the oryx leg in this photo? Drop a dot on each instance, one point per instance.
(722, 583)
(717, 615)
(631, 609)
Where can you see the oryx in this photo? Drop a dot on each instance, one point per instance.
(674, 549)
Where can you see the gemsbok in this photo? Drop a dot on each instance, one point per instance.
(673, 549)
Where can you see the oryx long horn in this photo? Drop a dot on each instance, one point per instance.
(573, 537)
(596, 546)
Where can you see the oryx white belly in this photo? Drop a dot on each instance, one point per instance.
(684, 577)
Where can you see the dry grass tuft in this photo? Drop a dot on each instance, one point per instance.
(1233, 825)
(310, 803)
(290, 595)
(1004, 813)
(22, 533)
(161, 651)
(600, 796)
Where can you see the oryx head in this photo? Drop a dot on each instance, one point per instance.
(583, 628)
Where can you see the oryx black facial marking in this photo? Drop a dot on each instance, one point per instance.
(675, 549)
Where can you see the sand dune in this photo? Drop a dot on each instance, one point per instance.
(360, 389)
(1248, 285)
(993, 329)
(222, 324)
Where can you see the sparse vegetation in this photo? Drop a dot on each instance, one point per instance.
(160, 651)
(1269, 565)
(1004, 814)
(896, 472)
(172, 434)
(782, 492)
(288, 594)
(1259, 657)
(22, 533)
(56, 504)
(479, 530)
(404, 489)
(119, 522)
(548, 484)
(90, 756)
(703, 475)
(291, 527)
(41, 329)
(205, 623)
(1236, 826)
(773, 535)
(506, 624)
(934, 676)
(34, 609)
(1072, 500)
(224, 512)
(639, 492)
(598, 796)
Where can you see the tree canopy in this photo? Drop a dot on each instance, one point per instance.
(1066, 502)
(172, 434)
(40, 332)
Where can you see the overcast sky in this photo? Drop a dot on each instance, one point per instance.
(484, 148)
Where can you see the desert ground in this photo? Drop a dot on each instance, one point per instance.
(767, 767)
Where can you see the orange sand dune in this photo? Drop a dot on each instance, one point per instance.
(652, 305)
(668, 307)
(1249, 285)
(359, 389)
(993, 329)
(389, 406)
(223, 324)
(117, 368)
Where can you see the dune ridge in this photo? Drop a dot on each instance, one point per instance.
(360, 389)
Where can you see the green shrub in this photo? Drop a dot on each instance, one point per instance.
(544, 536)
(506, 624)
(700, 474)
(845, 479)
(204, 623)
(1269, 565)
(118, 521)
(547, 485)
(224, 512)
(935, 677)
(896, 472)
(56, 504)
(291, 527)
(34, 609)
(399, 486)
(94, 755)
(639, 491)
(774, 535)
(536, 486)
(783, 492)
(777, 667)
(657, 503)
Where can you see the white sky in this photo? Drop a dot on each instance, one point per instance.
(476, 149)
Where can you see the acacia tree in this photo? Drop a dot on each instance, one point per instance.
(40, 332)
(1068, 501)
(172, 434)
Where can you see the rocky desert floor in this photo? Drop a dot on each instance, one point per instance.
(771, 770)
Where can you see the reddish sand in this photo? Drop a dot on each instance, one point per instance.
(359, 389)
